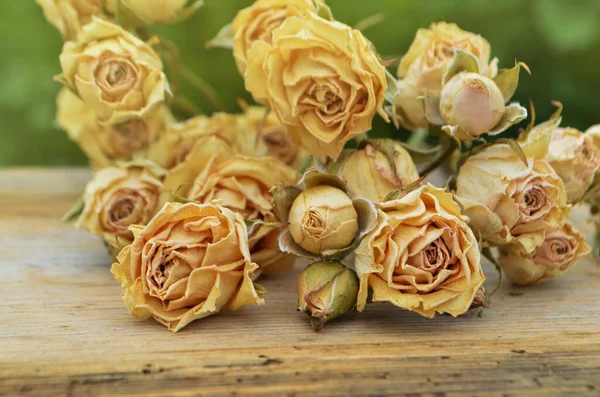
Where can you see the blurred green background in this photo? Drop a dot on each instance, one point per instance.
(558, 39)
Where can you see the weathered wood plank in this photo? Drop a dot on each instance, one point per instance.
(65, 331)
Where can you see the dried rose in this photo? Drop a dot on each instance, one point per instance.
(68, 16)
(105, 143)
(242, 184)
(422, 68)
(120, 196)
(470, 103)
(258, 21)
(422, 256)
(332, 86)
(149, 11)
(509, 201)
(326, 290)
(270, 137)
(378, 169)
(559, 252)
(323, 221)
(575, 159)
(117, 75)
(189, 262)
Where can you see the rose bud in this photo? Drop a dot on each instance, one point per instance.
(189, 262)
(378, 169)
(68, 16)
(117, 75)
(118, 197)
(471, 102)
(320, 114)
(326, 290)
(559, 252)
(148, 11)
(511, 202)
(105, 143)
(257, 22)
(422, 256)
(575, 159)
(422, 68)
(323, 218)
(323, 221)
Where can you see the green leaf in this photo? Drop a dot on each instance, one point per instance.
(75, 211)
(508, 80)
(463, 61)
(186, 13)
(323, 10)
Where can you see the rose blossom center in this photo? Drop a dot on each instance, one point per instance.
(161, 274)
(115, 75)
(433, 257)
(533, 200)
(121, 209)
(314, 223)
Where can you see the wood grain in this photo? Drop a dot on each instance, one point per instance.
(64, 330)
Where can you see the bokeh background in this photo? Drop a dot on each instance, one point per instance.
(558, 39)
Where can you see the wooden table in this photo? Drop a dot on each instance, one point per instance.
(64, 329)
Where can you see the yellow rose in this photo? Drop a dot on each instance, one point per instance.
(68, 16)
(258, 21)
(422, 68)
(559, 252)
(508, 201)
(120, 196)
(323, 221)
(374, 173)
(116, 74)
(149, 10)
(243, 184)
(594, 133)
(321, 78)
(575, 158)
(272, 139)
(422, 256)
(105, 143)
(189, 262)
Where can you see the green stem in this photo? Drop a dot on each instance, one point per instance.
(487, 253)
(185, 106)
(202, 86)
(446, 148)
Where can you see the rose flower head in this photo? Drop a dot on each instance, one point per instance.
(326, 290)
(422, 68)
(470, 103)
(68, 16)
(145, 12)
(422, 256)
(559, 252)
(321, 78)
(242, 184)
(117, 75)
(575, 158)
(377, 169)
(257, 22)
(323, 221)
(119, 196)
(106, 143)
(510, 201)
(189, 262)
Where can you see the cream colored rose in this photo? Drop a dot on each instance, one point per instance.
(422, 256)
(116, 74)
(270, 137)
(68, 16)
(321, 78)
(150, 10)
(105, 143)
(243, 184)
(508, 201)
(375, 173)
(258, 21)
(120, 196)
(575, 159)
(324, 222)
(594, 133)
(189, 262)
(559, 252)
(422, 68)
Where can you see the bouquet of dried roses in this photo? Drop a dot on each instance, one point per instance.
(195, 208)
